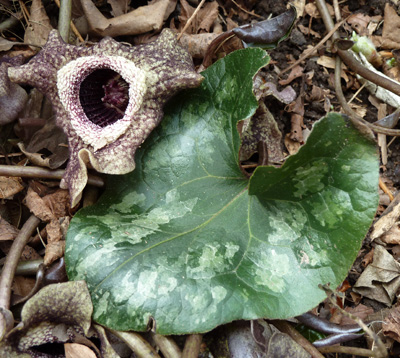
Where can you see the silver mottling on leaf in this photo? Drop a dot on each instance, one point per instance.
(153, 73)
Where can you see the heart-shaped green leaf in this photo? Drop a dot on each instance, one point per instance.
(184, 243)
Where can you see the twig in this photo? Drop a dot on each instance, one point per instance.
(360, 352)
(10, 265)
(337, 10)
(349, 59)
(167, 346)
(192, 346)
(137, 343)
(38, 172)
(252, 13)
(191, 18)
(315, 48)
(385, 189)
(286, 327)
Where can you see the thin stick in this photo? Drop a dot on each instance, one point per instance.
(360, 352)
(38, 172)
(246, 11)
(357, 92)
(385, 189)
(309, 52)
(191, 18)
(337, 10)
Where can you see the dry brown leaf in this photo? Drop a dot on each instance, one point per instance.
(54, 233)
(143, 19)
(58, 202)
(291, 145)
(10, 186)
(119, 7)
(37, 159)
(391, 25)
(29, 254)
(39, 26)
(36, 205)
(359, 22)
(381, 279)
(308, 31)
(329, 62)
(7, 231)
(208, 14)
(296, 72)
(54, 251)
(22, 286)
(312, 10)
(361, 311)
(75, 350)
(389, 217)
(300, 6)
(5, 45)
(391, 324)
(197, 44)
(204, 19)
(317, 94)
(392, 236)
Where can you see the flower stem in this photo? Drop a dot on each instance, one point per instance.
(38, 172)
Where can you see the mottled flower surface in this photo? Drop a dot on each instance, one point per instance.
(107, 98)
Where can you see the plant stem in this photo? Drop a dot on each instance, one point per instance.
(8, 272)
(192, 346)
(137, 343)
(10, 265)
(64, 19)
(38, 172)
(167, 346)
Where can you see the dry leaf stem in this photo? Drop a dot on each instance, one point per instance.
(167, 346)
(192, 346)
(37, 172)
(137, 343)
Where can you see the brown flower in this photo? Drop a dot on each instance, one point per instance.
(107, 98)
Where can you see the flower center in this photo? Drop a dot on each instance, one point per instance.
(104, 96)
